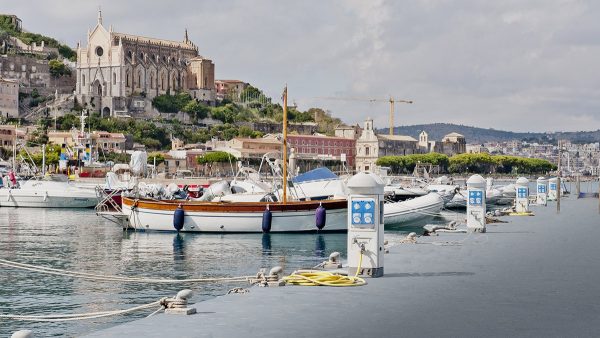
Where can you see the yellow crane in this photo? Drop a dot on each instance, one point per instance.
(391, 100)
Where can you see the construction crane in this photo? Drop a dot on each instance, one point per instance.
(392, 101)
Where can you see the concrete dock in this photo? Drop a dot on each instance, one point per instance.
(531, 277)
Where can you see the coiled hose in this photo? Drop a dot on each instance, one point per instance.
(325, 278)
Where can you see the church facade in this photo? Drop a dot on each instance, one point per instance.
(119, 74)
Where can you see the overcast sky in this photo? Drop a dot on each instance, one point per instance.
(515, 65)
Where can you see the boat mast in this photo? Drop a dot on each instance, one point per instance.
(14, 157)
(285, 145)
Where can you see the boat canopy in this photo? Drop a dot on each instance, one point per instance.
(318, 174)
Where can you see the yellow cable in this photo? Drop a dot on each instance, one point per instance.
(359, 264)
(529, 213)
(325, 278)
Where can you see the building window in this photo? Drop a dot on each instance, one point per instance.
(114, 78)
(82, 80)
(367, 151)
(99, 51)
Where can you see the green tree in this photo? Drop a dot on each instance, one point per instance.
(215, 157)
(160, 158)
(58, 68)
(171, 103)
(196, 110)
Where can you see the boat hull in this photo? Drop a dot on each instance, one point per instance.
(241, 217)
(408, 211)
(41, 199)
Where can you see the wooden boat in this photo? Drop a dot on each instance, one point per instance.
(221, 217)
(199, 216)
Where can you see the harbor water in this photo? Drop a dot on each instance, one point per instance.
(78, 240)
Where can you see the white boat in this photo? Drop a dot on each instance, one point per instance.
(238, 217)
(412, 210)
(48, 192)
(211, 216)
(446, 191)
(398, 192)
(318, 184)
(493, 196)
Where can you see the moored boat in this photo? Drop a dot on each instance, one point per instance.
(398, 213)
(222, 217)
(48, 192)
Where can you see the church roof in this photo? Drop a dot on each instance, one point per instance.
(154, 40)
(454, 135)
(397, 138)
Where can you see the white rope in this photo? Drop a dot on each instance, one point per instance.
(82, 316)
(89, 276)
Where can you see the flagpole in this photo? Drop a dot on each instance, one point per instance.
(285, 145)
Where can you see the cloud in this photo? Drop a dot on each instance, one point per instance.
(518, 65)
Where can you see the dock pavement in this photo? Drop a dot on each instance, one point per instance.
(531, 277)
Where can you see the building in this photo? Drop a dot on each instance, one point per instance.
(101, 141)
(108, 142)
(323, 148)
(253, 148)
(453, 143)
(120, 73)
(397, 145)
(370, 147)
(9, 98)
(345, 131)
(231, 89)
(7, 136)
(476, 149)
(14, 21)
(176, 160)
(269, 127)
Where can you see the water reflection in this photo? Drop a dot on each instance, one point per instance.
(266, 244)
(178, 248)
(320, 246)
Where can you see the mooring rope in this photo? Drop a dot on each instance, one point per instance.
(90, 276)
(82, 316)
(180, 301)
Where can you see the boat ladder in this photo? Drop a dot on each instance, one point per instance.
(108, 209)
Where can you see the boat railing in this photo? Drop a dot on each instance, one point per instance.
(106, 202)
(108, 209)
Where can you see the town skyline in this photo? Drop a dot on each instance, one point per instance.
(513, 66)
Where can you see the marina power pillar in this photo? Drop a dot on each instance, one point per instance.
(542, 191)
(476, 204)
(365, 225)
(522, 196)
(553, 189)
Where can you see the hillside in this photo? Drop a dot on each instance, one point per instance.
(480, 135)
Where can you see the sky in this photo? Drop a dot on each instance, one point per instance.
(520, 65)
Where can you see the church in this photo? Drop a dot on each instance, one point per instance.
(119, 74)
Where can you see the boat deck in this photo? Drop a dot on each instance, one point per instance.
(533, 276)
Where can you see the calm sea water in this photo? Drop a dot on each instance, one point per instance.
(79, 240)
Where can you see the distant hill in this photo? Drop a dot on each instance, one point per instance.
(437, 131)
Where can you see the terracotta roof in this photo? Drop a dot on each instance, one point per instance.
(258, 140)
